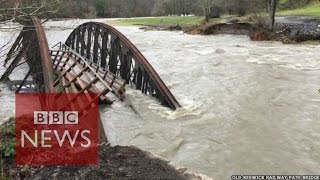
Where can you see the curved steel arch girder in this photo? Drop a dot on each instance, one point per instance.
(111, 50)
(31, 45)
(46, 64)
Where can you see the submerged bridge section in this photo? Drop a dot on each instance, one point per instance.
(95, 58)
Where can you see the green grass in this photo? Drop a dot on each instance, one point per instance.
(154, 21)
(313, 9)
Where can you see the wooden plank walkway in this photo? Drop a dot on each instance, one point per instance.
(78, 76)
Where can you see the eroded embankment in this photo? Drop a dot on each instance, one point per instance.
(288, 30)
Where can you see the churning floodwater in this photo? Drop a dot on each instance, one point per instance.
(248, 107)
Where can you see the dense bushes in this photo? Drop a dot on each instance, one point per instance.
(7, 137)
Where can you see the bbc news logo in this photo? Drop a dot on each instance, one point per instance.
(56, 117)
(46, 135)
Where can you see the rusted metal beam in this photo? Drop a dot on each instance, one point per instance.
(32, 46)
(96, 44)
(15, 62)
(23, 81)
(89, 30)
(47, 68)
(14, 47)
(104, 50)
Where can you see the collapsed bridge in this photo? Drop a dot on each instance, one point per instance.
(95, 58)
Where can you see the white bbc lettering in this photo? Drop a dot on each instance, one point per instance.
(44, 138)
(47, 136)
(72, 141)
(56, 117)
(40, 117)
(25, 134)
(71, 117)
(85, 138)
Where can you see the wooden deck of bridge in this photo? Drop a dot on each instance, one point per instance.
(75, 74)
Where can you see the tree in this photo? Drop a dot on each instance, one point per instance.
(175, 7)
(160, 8)
(101, 6)
(21, 10)
(272, 13)
(206, 7)
(209, 5)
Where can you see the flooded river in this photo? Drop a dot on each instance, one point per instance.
(248, 107)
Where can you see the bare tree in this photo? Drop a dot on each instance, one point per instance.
(21, 10)
(206, 7)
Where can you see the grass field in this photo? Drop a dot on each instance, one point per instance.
(312, 9)
(170, 20)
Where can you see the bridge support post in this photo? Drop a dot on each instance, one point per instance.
(102, 136)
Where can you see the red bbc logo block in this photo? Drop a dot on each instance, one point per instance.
(52, 130)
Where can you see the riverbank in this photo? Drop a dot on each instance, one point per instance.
(288, 29)
(118, 162)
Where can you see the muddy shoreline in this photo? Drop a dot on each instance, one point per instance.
(119, 162)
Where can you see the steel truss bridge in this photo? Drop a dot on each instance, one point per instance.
(96, 58)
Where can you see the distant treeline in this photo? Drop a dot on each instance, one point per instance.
(143, 8)
(18, 9)
(140, 8)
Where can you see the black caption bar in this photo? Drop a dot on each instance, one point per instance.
(276, 177)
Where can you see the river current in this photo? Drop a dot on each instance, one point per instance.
(248, 107)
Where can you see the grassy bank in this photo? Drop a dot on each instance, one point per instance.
(313, 9)
(155, 21)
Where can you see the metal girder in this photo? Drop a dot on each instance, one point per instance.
(32, 45)
(119, 56)
(47, 68)
(103, 47)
